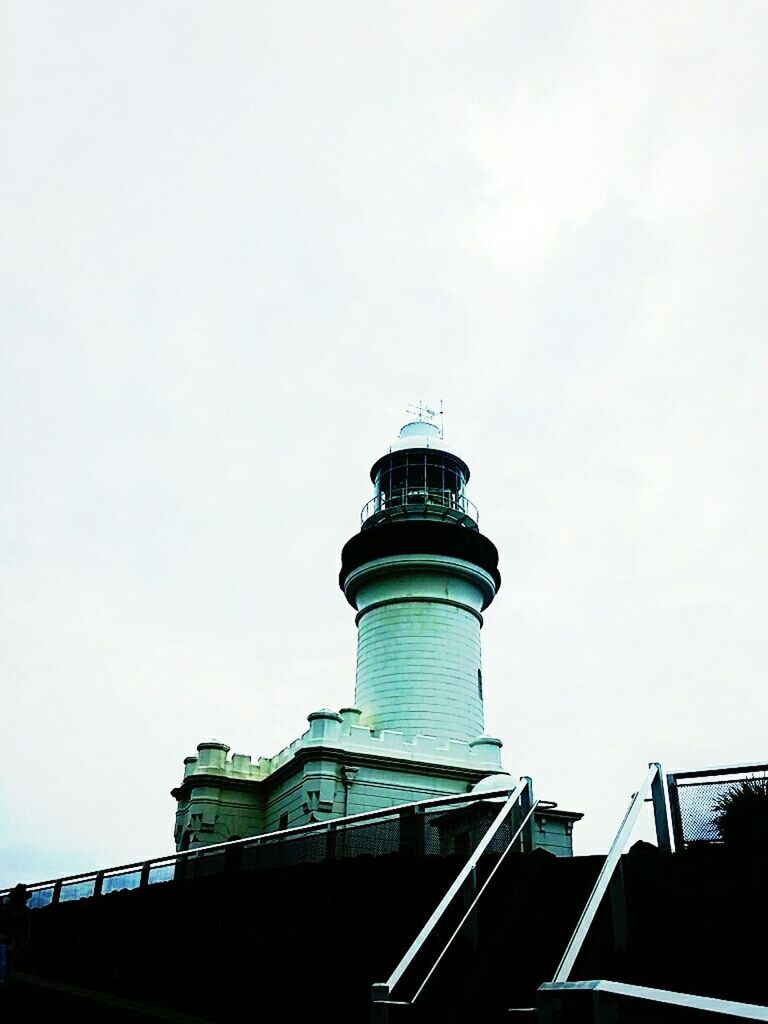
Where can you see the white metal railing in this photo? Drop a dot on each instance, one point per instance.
(158, 869)
(654, 783)
(381, 992)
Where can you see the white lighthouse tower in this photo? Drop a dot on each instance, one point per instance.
(420, 575)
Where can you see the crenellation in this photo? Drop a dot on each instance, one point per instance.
(392, 739)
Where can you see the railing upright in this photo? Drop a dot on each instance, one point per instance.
(674, 807)
(660, 799)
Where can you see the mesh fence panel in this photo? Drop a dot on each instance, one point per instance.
(370, 839)
(435, 832)
(697, 813)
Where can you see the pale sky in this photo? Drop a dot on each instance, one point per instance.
(236, 240)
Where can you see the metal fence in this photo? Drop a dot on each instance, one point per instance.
(694, 794)
(441, 826)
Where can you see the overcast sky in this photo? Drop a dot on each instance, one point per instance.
(237, 240)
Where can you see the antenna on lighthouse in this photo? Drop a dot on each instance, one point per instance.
(427, 415)
(421, 410)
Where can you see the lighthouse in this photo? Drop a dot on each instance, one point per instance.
(420, 576)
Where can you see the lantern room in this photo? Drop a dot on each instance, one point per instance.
(419, 478)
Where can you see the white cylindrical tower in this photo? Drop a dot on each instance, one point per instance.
(420, 575)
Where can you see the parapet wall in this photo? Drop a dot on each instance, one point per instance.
(341, 731)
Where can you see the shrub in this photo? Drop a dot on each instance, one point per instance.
(741, 815)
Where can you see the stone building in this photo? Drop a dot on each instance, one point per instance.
(420, 576)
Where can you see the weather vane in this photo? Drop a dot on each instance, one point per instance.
(427, 415)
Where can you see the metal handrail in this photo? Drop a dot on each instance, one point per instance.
(654, 778)
(617, 989)
(654, 781)
(380, 992)
(473, 904)
(145, 866)
(725, 769)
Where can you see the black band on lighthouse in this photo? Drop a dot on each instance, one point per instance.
(419, 538)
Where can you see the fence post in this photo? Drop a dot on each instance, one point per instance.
(548, 1007)
(412, 831)
(660, 810)
(379, 1007)
(181, 869)
(331, 841)
(675, 813)
(618, 894)
(605, 1008)
(471, 925)
(233, 857)
(526, 802)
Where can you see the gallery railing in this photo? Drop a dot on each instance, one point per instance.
(424, 827)
(518, 810)
(412, 501)
(694, 794)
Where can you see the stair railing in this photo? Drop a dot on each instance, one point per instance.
(381, 992)
(653, 783)
(610, 998)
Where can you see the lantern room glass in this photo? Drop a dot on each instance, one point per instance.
(410, 478)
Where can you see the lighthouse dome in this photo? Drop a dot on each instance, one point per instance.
(418, 435)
